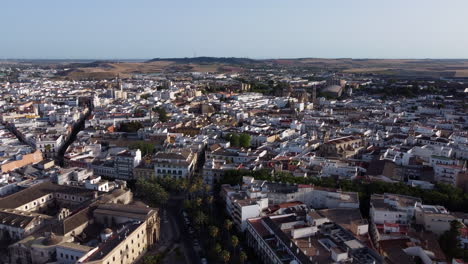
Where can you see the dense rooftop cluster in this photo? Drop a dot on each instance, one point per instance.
(68, 149)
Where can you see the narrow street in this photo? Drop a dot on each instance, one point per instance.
(77, 127)
(175, 218)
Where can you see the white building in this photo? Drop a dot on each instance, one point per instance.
(48, 144)
(175, 163)
(95, 183)
(392, 208)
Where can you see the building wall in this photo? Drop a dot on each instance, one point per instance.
(12, 232)
(174, 171)
(262, 250)
(36, 204)
(68, 255)
(41, 254)
(436, 223)
(380, 216)
(135, 246)
(146, 173)
(246, 212)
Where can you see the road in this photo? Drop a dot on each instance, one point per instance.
(180, 232)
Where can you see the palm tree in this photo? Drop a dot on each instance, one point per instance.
(209, 201)
(234, 241)
(200, 218)
(214, 231)
(228, 224)
(193, 188)
(217, 249)
(181, 185)
(198, 202)
(207, 188)
(225, 256)
(242, 257)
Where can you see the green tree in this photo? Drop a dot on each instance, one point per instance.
(145, 147)
(151, 192)
(145, 96)
(234, 241)
(130, 127)
(225, 256)
(234, 140)
(200, 218)
(163, 117)
(182, 184)
(244, 140)
(214, 231)
(228, 224)
(150, 260)
(207, 188)
(242, 257)
(209, 200)
(449, 241)
(198, 201)
(196, 186)
(217, 249)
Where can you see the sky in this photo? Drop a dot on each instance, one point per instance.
(141, 29)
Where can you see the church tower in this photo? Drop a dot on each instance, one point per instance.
(119, 83)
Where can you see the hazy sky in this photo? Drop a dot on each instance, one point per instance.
(100, 29)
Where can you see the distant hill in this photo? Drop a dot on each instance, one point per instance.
(100, 64)
(208, 60)
(386, 67)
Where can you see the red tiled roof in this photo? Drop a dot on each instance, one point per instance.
(391, 225)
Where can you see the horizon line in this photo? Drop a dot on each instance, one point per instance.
(237, 57)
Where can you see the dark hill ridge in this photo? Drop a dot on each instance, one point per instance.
(385, 67)
(102, 64)
(210, 60)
